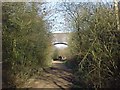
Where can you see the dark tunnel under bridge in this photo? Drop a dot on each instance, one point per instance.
(64, 43)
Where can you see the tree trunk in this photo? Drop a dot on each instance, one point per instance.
(117, 15)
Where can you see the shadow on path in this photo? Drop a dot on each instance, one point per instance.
(57, 76)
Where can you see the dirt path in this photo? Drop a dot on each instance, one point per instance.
(58, 76)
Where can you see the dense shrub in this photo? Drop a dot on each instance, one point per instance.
(26, 42)
(96, 38)
(55, 54)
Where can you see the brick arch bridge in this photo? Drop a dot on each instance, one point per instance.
(60, 38)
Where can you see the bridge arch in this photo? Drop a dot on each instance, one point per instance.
(64, 43)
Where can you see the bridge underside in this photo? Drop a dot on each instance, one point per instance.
(60, 43)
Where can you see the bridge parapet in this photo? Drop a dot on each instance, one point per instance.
(60, 37)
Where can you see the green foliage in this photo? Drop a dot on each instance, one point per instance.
(26, 42)
(97, 42)
(55, 54)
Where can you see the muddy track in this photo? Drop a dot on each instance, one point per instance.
(57, 76)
